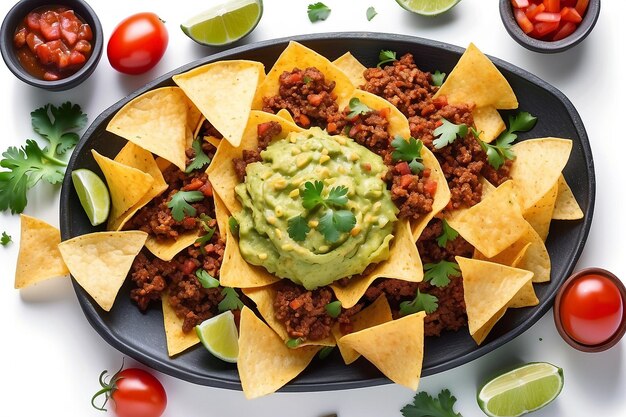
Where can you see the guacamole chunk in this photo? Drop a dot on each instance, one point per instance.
(272, 195)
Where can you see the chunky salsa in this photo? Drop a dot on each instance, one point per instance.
(53, 42)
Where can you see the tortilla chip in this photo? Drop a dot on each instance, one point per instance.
(166, 250)
(488, 289)
(396, 348)
(404, 263)
(475, 79)
(157, 122)
(376, 313)
(221, 215)
(566, 206)
(223, 91)
(127, 187)
(222, 172)
(284, 113)
(100, 261)
(213, 141)
(537, 167)
(492, 225)
(525, 297)
(194, 118)
(398, 123)
(264, 300)
(39, 258)
(177, 340)
(540, 214)
(352, 68)
(265, 363)
(487, 187)
(297, 55)
(511, 256)
(488, 122)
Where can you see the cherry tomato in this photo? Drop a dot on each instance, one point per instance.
(137, 43)
(591, 309)
(135, 393)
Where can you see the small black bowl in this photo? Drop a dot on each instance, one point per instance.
(584, 28)
(13, 19)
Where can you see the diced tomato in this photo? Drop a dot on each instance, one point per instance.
(76, 58)
(84, 32)
(82, 46)
(314, 99)
(522, 20)
(430, 187)
(63, 59)
(296, 303)
(548, 17)
(367, 167)
(534, 11)
(553, 6)
(32, 21)
(19, 39)
(69, 27)
(304, 120)
(194, 185)
(33, 41)
(403, 168)
(294, 78)
(569, 14)
(50, 76)
(581, 6)
(188, 267)
(45, 54)
(566, 29)
(331, 127)
(50, 27)
(519, 4)
(384, 112)
(544, 28)
(406, 180)
(260, 128)
(568, 3)
(354, 130)
(440, 102)
(207, 189)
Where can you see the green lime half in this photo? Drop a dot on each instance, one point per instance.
(428, 7)
(224, 23)
(524, 389)
(93, 195)
(219, 335)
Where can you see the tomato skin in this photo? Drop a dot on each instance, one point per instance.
(138, 394)
(591, 309)
(137, 44)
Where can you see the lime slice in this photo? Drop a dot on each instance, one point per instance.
(428, 7)
(524, 389)
(224, 23)
(93, 195)
(219, 335)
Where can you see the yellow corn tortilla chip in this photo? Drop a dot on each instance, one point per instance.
(487, 187)
(194, 118)
(100, 261)
(475, 79)
(222, 172)
(352, 68)
(223, 91)
(540, 214)
(537, 167)
(404, 263)
(265, 363)
(136, 157)
(221, 215)
(398, 123)
(284, 113)
(39, 258)
(566, 206)
(488, 122)
(396, 348)
(488, 289)
(127, 187)
(157, 122)
(525, 297)
(213, 141)
(177, 340)
(264, 300)
(297, 55)
(511, 256)
(492, 225)
(376, 313)
(166, 250)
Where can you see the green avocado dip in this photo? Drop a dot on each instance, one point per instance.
(273, 198)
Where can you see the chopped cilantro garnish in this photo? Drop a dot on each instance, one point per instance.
(447, 133)
(200, 160)
(318, 11)
(233, 224)
(385, 57)
(448, 234)
(370, 13)
(357, 108)
(298, 227)
(230, 301)
(426, 406)
(206, 280)
(333, 309)
(325, 351)
(5, 239)
(409, 151)
(333, 223)
(204, 222)
(306, 79)
(438, 77)
(293, 343)
(439, 274)
(421, 302)
(179, 204)
(312, 194)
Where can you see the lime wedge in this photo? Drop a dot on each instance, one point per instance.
(93, 195)
(224, 23)
(428, 7)
(219, 335)
(524, 389)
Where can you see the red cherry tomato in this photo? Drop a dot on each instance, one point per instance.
(137, 43)
(591, 309)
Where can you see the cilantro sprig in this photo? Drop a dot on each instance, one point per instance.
(357, 108)
(179, 204)
(29, 164)
(206, 280)
(230, 301)
(448, 234)
(204, 222)
(370, 13)
(200, 160)
(421, 302)
(424, 405)
(437, 78)
(385, 57)
(448, 132)
(438, 274)
(5, 239)
(318, 11)
(409, 151)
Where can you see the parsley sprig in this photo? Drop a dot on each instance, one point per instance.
(448, 234)
(29, 164)
(424, 405)
(200, 160)
(357, 108)
(385, 57)
(5, 239)
(421, 302)
(439, 274)
(318, 11)
(179, 204)
(409, 151)
(448, 132)
(230, 301)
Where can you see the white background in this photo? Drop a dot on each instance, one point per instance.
(51, 357)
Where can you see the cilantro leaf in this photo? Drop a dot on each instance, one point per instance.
(179, 204)
(522, 122)
(58, 125)
(210, 231)
(357, 108)
(409, 151)
(333, 223)
(370, 13)
(333, 309)
(421, 302)
(439, 274)
(448, 234)
(500, 151)
(448, 132)
(293, 343)
(200, 160)
(298, 228)
(233, 224)
(230, 301)
(325, 351)
(5, 239)
(426, 406)
(206, 280)
(438, 77)
(385, 57)
(318, 11)
(338, 196)
(312, 194)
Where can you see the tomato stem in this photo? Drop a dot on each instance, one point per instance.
(108, 388)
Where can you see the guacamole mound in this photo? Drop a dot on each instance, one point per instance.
(272, 194)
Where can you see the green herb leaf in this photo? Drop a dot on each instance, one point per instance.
(357, 108)
(206, 280)
(318, 11)
(438, 77)
(312, 194)
(293, 343)
(204, 222)
(333, 223)
(58, 125)
(298, 228)
(439, 274)
(522, 122)
(421, 302)
(447, 133)
(409, 151)
(179, 204)
(200, 160)
(306, 79)
(230, 301)
(5, 239)
(233, 224)
(333, 309)
(448, 234)
(337, 196)
(370, 13)
(385, 57)
(426, 406)
(500, 150)
(325, 351)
